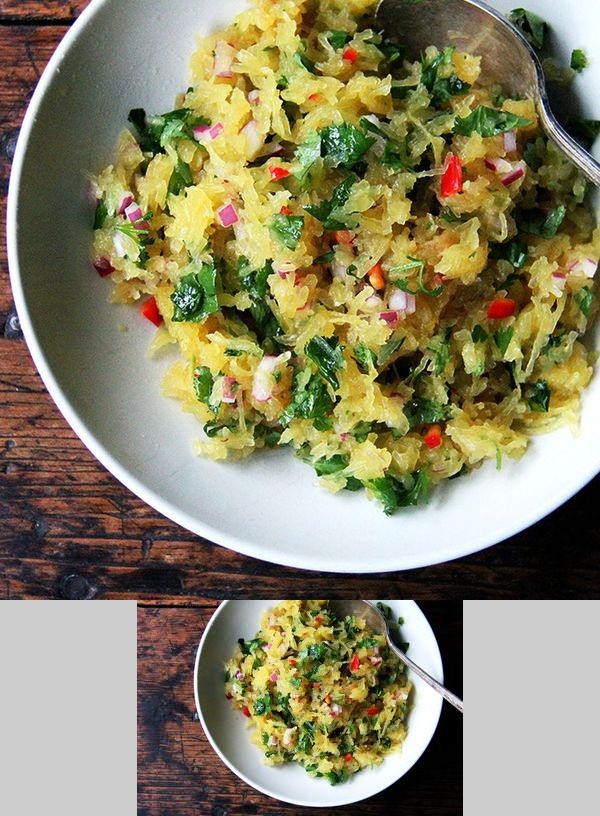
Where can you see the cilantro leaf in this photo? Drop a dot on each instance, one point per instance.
(488, 122)
(203, 384)
(578, 60)
(439, 348)
(335, 463)
(156, 132)
(503, 337)
(387, 351)
(531, 26)
(255, 283)
(414, 263)
(338, 39)
(263, 704)
(323, 211)
(546, 226)
(479, 334)
(287, 229)
(195, 296)
(327, 356)
(421, 411)
(394, 493)
(539, 396)
(181, 177)
(344, 144)
(393, 156)
(364, 357)
(515, 252)
(310, 400)
(584, 299)
(306, 154)
(441, 89)
(101, 214)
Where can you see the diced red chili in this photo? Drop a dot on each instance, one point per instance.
(350, 54)
(354, 663)
(246, 711)
(433, 437)
(373, 711)
(501, 308)
(314, 97)
(285, 211)
(293, 660)
(151, 313)
(343, 236)
(278, 173)
(348, 758)
(318, 620)
(452, 177)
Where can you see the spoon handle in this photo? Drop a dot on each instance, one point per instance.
(447, 695)
(574, 151)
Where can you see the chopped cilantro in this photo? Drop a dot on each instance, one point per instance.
(326, 258)
(306, 155)
(387, 351)
(394, 493)
(181, 177)
(263, 704)
(544, 225)
(414, 263)
(439, 348)
(421, 411)
(441, 89)
(584, 299)
(327, 356)
(488, 122)
(515, 252)
(364, 357)
(203, 385)
(503, 337)
(338, 39)
(335, 463)
(479, 334)
(101, 214)
(156, 132)
(325, 211)
(287, 228)
(578, 60)
(310, 400)
(539, 396)
(195, 296)
(344, 145)
(531, 26)
(393, 156)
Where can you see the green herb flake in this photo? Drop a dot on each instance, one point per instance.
(388, 350)
(326, 467)
(263, 704)
(441, 89)
(203, 385)
(287, 229)
(489, 122)
(365, 358)
(327, 356)
(421, 411)
(310, 400)
(325, 211)
(479, 334)
(530, 25)
(544, 225)
(344, 145)
(101, 214)
(584, 298)
(338, 39)
(195, 296)
(503, 337)
(578, 60)
(539, 396)
(414, 263)
(181, 177)
(306, 155)
(515, 252)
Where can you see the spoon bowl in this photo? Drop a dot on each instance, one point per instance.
(507, 59)
(376, 621)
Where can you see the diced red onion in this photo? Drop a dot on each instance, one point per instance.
(402, 301)
(133, 212)
(272, 740)
(285, 268)
(339, 270)
(274, 677)
(254, 96)
(559, 279)
(263, 382)
(254, 139)
(515, 174)
(201, 131)
(335, 710)
(510, 141)
(228, 392)
(224, 56)
(238, 674)
(376, 660)
(272, 149)
(103, 267)
(227, 215)
(344, 437)
(288, 736)
(125, 202)
(586, 267)
(391, 318)
(498, 165)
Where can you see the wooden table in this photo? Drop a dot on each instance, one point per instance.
(179, 773)
(68, 529)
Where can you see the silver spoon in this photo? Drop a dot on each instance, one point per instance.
(377, 623)
(507, 58)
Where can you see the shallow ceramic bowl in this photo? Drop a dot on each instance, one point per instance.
(135, 54)
(227, 729)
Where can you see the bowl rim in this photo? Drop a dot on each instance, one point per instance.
(473, 540)
(438, 672)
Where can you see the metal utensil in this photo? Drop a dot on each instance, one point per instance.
(506, 57)
(377, 623)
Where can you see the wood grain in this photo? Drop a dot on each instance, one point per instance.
(37, 10)
(179, 773)
(68, 529)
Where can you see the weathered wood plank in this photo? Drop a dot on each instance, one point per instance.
(36, 10)
(178, 772)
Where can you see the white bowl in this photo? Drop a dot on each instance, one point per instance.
(228, 733)
(124, 55)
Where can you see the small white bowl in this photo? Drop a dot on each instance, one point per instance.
(228, 732)
(120, 56)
